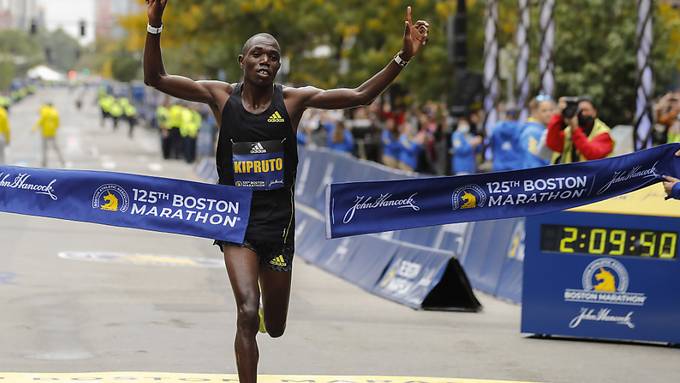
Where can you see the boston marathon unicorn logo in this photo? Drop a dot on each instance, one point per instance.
(605, 275)
(111, 202)
(111, 197)
(606, 281)
(468, 197)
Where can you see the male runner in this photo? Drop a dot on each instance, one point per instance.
(257, 148)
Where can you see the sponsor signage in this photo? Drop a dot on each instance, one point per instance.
(368, 207)
(602, 276)
(127, 200)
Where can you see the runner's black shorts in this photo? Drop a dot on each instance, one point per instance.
(271, 229)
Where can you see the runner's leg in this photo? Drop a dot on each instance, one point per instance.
(275, 297)
(242, 268)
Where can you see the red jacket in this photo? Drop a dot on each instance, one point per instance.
(594, 148)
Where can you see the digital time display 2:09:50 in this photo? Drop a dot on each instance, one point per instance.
(609, 241)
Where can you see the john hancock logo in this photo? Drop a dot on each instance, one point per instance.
(111, 197)
(468, 197)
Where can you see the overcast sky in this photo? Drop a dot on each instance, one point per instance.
(67, 13)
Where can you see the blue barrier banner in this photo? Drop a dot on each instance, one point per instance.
(127, 200)
(369, 207)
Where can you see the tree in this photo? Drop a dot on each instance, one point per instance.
(125, 66)
(595, 43)
(18, 53)
(64, 49)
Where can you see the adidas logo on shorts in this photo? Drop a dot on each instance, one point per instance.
(257, 149)
(276, 117)
(278, 261)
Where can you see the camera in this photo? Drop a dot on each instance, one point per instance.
(572, 107)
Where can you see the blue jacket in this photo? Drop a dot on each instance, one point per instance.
(391, 146)
(529, 140)
(346, 145)
(410, 151)
(507, 154)
(463, 160)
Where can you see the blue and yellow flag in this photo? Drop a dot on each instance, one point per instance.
(127, 200)
(369, 207)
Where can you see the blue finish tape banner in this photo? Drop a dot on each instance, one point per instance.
(368, 207)
(127, 200)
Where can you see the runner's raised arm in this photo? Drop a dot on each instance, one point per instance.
(213, 93)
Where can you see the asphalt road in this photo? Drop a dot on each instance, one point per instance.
(160, 302)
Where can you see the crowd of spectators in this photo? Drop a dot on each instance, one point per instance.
(427, 139)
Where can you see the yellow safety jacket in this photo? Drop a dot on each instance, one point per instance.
(4, 124)
(162, 117)
(129, 110)
(190, 124)
(48, 122)
(175, 117)
(116, 109)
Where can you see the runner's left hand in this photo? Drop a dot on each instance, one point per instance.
(415, 36)
(668, 183)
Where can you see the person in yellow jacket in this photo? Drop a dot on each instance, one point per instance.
(191, 123)
(162, 113)
(105, 102)
(4, 134)
(130, 113)
(49, 124)
(175, 122)
(116, 112)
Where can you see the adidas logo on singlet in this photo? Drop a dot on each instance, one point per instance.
(257, 149)
(278, 261)
(275, 117)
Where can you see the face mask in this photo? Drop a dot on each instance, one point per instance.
(463, 127)
(586, 122)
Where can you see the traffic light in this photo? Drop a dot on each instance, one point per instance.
(82, 28)
(34, 27)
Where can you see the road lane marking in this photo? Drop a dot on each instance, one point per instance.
(149, 377)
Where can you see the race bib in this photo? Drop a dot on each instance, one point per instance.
(258, 165)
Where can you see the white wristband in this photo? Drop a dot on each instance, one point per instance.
(154, 30)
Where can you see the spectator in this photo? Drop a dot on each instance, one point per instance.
(667, 126)
(505, 143)
(340, 138)
(578, 137)
(391, 148)
(533, 133)
(411, 145)
(465, 146)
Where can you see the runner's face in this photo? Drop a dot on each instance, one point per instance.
(261, 62)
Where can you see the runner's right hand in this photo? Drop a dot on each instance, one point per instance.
(155, 11)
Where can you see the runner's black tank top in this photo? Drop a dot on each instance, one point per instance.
(241, 126)
(260, 151)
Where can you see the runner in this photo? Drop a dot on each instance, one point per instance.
(257, 148)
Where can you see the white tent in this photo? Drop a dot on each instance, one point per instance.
(45, 73)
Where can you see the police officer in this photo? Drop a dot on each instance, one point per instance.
(130, 114)
(175, 122)
(162, 114)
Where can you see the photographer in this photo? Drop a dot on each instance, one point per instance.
(576, 134)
